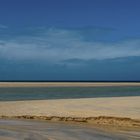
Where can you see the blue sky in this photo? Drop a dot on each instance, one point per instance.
(70, 40)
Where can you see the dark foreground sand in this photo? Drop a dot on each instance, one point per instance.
(40, 130)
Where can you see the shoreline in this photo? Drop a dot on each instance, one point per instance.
(67, 84)
(101, 121)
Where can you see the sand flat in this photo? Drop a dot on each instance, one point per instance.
(88, 107)
(66, 84)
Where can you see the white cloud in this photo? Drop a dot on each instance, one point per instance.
(58, 44)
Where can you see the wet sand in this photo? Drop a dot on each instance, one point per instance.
(40, 130)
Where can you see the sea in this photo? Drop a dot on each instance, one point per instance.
(48, 93)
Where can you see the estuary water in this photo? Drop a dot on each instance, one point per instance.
(43, 93)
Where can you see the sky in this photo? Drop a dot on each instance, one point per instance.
(70, 40)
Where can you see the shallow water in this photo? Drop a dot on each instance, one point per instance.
(39, 93)
(39, 130)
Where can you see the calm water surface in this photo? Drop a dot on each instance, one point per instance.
(40, 93)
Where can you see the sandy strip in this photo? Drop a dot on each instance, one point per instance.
(81, 109)
(66, 84)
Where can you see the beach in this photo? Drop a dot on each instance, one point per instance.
(70, 109)
(72, 119)
(113, 108)
(119, 113)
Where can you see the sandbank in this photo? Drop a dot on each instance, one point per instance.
(121, 111)
(67, 84)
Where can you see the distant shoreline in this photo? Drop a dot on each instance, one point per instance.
(67, 84)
